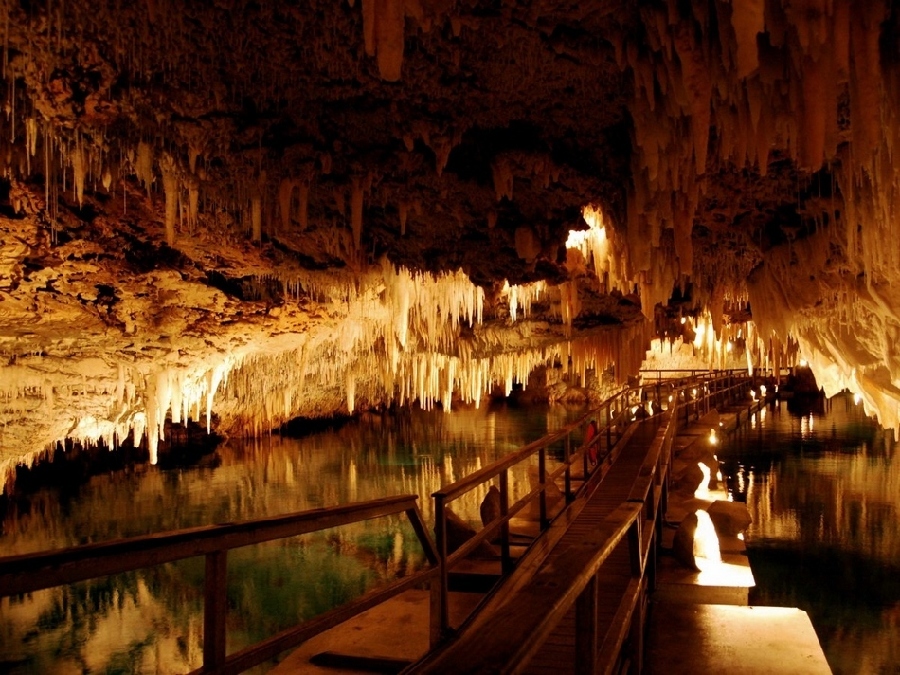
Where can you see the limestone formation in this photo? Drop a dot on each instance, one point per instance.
(729, 518)
(683, 543)
(459, 532)
(490, 506)
(244, 212)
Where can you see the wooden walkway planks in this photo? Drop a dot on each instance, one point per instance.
(530, 623)
(557, 655)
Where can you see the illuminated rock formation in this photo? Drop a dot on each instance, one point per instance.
(255, 211)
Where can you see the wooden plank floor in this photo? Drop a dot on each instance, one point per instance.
(557, 655)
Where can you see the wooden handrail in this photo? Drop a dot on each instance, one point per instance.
(291, 637)
(31, 572)
(453, 491)
(467, 483)
(34, 571)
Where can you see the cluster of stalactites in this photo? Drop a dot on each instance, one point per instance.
(77, 163)
(763, 351)
(763, 76)
(523, 295)
(599, 244)
(623, 349)
(399, 341)
(139, 400)
(267, 390)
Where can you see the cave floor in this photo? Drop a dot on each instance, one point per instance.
(686, 638)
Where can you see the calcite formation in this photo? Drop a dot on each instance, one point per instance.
(251, 211)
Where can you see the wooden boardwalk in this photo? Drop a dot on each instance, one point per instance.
(574, 601)
(558, 652)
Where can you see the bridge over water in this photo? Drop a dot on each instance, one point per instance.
(558, 579)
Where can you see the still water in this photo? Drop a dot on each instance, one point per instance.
(823, 489)
(150, 621)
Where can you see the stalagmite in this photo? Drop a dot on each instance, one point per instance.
(143, 166)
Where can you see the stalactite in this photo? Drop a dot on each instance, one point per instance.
(356, 211)
(285, 195)
(256, 217)
(143, 165)
(171, 191)
(78, 170)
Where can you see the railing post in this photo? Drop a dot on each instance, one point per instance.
(637, 571)
(506, 561)
(434, 584)
(586, 642)
(440, 527)
(637, 631)
(634, 547)
(542, 476)
(215, 609)
(569, 496)
(608, 426)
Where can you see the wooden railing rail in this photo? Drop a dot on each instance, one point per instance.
(31, 572)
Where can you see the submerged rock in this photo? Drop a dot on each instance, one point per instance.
(729, 518)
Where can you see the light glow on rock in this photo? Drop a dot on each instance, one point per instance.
(707, 554)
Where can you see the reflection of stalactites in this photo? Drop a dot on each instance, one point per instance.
(351, 390)
(352, 481)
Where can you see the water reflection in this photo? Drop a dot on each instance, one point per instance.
(150, 621)
(824, 493)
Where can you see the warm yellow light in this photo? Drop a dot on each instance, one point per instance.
(856, 399)
(707, 555)
(762, 390)
(713, 439)
(803, 363)
(702, 491)
(698, 334)
(683, 321)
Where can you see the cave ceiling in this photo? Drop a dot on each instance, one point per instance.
(190, 189)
